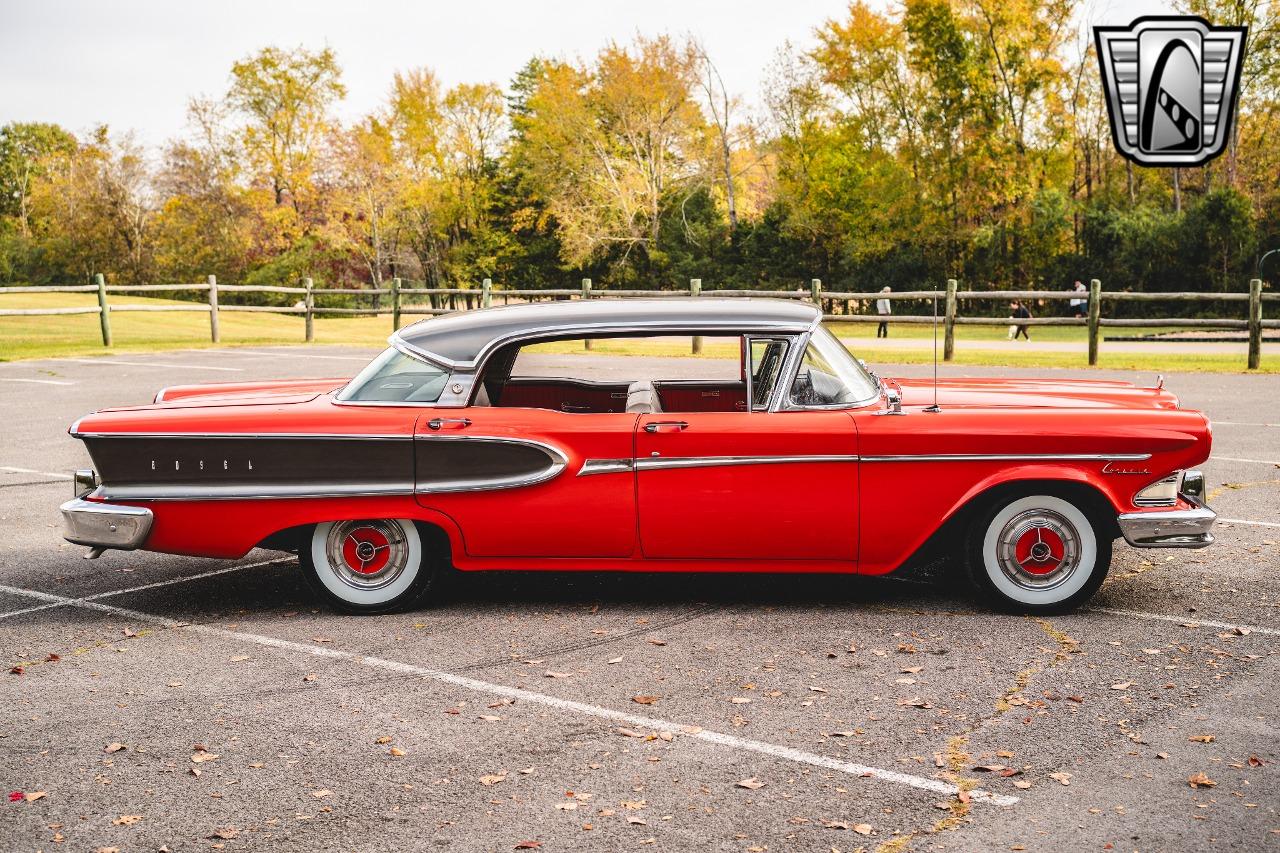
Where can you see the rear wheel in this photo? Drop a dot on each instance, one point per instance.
(368, 566)
(1038, 554)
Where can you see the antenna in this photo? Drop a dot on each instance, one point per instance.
(935, 408)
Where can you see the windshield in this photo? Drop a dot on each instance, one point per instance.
(829, 375)
(394, 377)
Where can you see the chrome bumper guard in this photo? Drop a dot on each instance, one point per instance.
(1175, 528)
(103, 525)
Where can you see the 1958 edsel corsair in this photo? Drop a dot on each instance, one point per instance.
(444, 452)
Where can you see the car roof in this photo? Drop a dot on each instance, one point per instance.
(463, 339)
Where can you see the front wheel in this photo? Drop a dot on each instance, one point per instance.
(367, 566)
(1038, 554)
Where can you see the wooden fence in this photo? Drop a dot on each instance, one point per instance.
(445, 300)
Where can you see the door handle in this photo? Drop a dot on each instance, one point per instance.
(437, 423)
(666, 426)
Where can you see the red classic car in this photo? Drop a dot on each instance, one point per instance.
(460, 446)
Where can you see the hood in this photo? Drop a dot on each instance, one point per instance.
(980, 392)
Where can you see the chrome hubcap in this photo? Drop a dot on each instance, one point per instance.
(367, 554)
(1038, 549)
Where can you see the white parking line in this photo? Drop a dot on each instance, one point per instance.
(934, 786)
(38, 473)
(1238, 459)
(1188, 620)
(1250, 523)
(115, 592)
(111, 361)
(35, 381)
(1243, 423)
(359, 358)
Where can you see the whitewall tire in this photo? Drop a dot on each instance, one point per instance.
(368, 565)
(1038, 554)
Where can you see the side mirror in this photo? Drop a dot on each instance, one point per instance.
(894, 398)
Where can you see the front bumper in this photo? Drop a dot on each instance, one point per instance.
(1175, 528)
(103, 525)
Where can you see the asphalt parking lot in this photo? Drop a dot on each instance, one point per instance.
(152, 702)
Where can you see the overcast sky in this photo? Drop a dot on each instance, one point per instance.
(134, 64)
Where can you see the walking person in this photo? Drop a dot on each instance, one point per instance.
(1018, 311)
(884, 309)
(1079, 303)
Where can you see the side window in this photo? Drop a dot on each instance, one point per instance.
(394, 377)
(611, 375)
(767, 358)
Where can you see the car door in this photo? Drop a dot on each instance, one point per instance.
(512, 479)
(778, 486)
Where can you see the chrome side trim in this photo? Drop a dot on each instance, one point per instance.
(605, 466)
(657, 463)
(558, 462)
(251, 491)
(263, 435)
(1175, 528)
(101, 525)
(1010, 457)
(159, 398)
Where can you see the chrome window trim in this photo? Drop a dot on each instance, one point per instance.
(557, 459)
(605, 466)
(657, 463)
(595, 330)
(1010, 457)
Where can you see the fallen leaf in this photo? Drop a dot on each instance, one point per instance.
(862, 828)
(616, 660)
(32, 796)
(751, 783)
(637, 821)
(550, 674)
(113, 747)
(129, 632)
(321, 640)
(1200, 780)
(201, 757)
(1123, 685)
(126, 820)
(310, 676)
(1021, 783)
(836, 824)
(53, 657)
(16, 670)
(1064, 778)
(493, 778)
(645, 700)
(656, 642)
(226, 833)
(629, 733)
(321, 794)
(566, 807)
(383, 739)
(238, 658)
(490, 717)
(397, 752)
(1201, 738)
(915, 702)
(528, 845)
(1255, 761)
(740, 700)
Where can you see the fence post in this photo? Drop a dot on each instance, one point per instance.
(395, 303)
(486, 293)
(949, 322)
(1255, 323)
(214, 333)
(1095, 311)
(309, 300)
(586, 294)
(695, 289)
(104, 315)
(815, 292)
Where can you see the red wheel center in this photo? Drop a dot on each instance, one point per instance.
(1040, 551)
(366, 551)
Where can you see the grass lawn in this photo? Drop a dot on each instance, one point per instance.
(78, 334)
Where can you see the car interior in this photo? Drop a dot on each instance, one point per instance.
(513, 377)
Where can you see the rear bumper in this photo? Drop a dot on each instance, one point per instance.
(103, 525)
(1175, 528)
